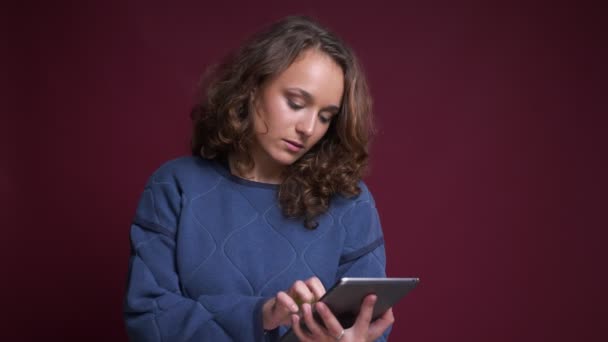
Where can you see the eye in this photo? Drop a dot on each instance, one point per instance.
(294, 105)
(324, 119)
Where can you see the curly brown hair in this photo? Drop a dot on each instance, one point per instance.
(223, 126)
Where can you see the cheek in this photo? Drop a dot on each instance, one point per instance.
(258, 122)
(321, 133)
(278, 115)
(263, 118)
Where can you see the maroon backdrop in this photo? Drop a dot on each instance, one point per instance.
(488, 169)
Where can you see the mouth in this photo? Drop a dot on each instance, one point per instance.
(293, 145)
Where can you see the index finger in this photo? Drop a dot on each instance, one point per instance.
(377, 327)
(365, 315)
(301, 293)
(316, 286)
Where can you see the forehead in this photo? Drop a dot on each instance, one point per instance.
(316, 73)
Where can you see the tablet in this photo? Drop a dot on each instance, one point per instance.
(345, 297)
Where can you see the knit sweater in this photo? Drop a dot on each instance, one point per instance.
(209, 248)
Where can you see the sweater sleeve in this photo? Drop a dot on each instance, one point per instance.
(363, 254)
(156, 308)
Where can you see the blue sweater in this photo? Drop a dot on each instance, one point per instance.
(209, 248)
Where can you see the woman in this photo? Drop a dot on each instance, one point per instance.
(238, 241)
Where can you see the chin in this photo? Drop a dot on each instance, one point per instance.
(285, 159)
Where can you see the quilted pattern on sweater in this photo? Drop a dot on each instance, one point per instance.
(209, 248)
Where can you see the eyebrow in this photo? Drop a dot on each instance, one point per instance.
(309, 98)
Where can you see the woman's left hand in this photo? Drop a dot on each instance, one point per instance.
(363, 329)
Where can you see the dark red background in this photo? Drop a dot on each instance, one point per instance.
(488, 169)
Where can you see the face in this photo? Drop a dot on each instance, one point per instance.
(292, 111)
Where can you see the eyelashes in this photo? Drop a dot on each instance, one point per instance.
(296, 106)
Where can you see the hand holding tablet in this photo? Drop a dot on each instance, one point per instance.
(344, 299)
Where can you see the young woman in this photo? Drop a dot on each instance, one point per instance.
(239, 240)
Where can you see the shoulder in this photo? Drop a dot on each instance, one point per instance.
(169, 187)
(365, 195)
(358, 217)
(341, 203)
(348, 210)
(188, 174)
(180, 167)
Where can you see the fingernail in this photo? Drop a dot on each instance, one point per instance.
(294, 308)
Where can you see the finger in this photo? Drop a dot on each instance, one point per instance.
(316, 286)
(283, 306)
(286, 303)
(312, 325)
(377, 327)
(332, 325)
(365, 314)
(295, 325)
(300, 292)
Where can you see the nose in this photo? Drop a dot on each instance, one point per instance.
(306, 124)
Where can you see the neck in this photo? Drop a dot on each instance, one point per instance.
(263, 171)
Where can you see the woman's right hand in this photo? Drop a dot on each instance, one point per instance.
(277, 310)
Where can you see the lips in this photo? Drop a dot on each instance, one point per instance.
(293, 146)
(298, 145)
